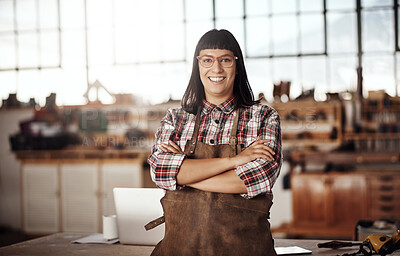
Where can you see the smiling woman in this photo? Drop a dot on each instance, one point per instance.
(218, 158)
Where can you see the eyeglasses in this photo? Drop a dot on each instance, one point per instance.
(207, 61)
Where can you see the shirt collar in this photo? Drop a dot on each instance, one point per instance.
(226, 106)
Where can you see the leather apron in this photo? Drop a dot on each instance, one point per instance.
(208, 223)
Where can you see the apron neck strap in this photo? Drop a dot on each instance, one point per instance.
(233, 138)
(193, 141)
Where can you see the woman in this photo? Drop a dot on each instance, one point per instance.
(217, 157)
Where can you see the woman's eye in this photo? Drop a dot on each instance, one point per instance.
(207, 60)
(227, 60)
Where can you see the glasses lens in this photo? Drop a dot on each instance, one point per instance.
(226, 61)
(206, 61)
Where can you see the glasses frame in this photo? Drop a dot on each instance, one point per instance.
(214, 59)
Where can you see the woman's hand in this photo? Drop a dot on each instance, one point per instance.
(256, 150)
(171, 147)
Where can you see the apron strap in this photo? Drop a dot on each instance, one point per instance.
(233, 138)
(193, 141)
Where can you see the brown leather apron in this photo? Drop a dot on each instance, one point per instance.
(207, 223)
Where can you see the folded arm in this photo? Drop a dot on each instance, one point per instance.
(217, 174)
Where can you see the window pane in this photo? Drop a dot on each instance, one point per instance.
(340, 5)
(175, 76)
(378, 73)
(172, 10)
(286, 69)
(342, 74)
(125, 45)
(377, 33)
(149, 48)
(194, 30)
(100, 46)
(313, 75)
(235, 26)
(257, 7)
(199, 10)
(284, 6)
(99, 13)
(342, 32)
(73, 48)
(173, 48)
(311, 5)
(7, 15)
(312, 33)
(7, 51)
(50, 83)
(284, 34)
(258, 71)
(26, 14)
(10, 79)
(375, 3)
(50, 52)
(72, 85)
(72, 13)
(48, 13)
(125, 12)
(235, 9)
(28, 85)
(28, 50)
(258, 36)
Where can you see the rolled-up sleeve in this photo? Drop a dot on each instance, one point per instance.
(165, 166)
(260, 175)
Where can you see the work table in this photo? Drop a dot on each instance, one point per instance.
(60, 244)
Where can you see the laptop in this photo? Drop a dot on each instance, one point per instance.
(135, 207)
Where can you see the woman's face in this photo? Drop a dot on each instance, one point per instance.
(218, 79)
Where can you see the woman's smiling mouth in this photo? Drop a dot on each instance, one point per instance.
(216, 79)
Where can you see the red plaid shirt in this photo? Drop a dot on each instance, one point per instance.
(255, 122)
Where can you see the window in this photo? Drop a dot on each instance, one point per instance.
(146, 47)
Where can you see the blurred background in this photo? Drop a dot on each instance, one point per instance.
(85, 83)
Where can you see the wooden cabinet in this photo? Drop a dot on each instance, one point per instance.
(40, 198)
(79, 197)
(328, 203)
(71, 196)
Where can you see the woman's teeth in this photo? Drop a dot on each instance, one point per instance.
(217, 79)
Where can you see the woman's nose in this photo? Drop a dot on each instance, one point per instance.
(217, 67)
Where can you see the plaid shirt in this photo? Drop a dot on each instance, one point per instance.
(255, 122)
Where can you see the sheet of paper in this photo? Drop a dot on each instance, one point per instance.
(291, 250)
(95, 239)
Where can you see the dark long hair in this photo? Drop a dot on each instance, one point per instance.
(194, 94)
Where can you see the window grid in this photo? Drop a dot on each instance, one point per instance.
(187, 58)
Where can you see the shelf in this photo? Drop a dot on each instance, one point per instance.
(301, 157)
(365, 136)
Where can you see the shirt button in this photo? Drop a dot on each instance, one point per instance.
(212, 141)
(217, 121)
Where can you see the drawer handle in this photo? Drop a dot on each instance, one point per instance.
(385, 178)
(386, 198)
(387, 208)
(386, 188)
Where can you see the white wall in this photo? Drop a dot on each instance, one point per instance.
(10, 186)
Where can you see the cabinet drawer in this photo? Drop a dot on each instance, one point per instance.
(385, 211)
(390, 196)
(384, 186)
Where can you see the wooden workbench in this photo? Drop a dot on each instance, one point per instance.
(60, 244)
